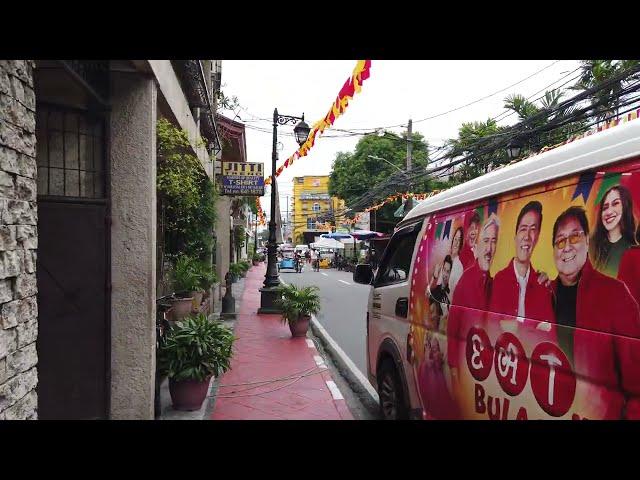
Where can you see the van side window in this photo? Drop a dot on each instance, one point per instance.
(396, 263)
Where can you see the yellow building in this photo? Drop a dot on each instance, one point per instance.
(312, 206)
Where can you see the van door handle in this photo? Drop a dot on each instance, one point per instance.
(402, 307)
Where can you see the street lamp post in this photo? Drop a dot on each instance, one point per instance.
(514, 148)
(255, 238)
(269, 292)
(409, 201)
(387, 161)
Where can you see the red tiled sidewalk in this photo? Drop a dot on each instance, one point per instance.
(265, 350)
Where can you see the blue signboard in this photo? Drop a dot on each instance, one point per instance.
(242, 178)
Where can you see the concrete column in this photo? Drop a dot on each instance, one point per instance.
(133, 245)
(223, 225)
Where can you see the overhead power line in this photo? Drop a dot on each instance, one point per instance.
(492, 143)
(466, 104)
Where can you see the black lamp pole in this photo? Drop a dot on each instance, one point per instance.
(269, 293)
(255, 238)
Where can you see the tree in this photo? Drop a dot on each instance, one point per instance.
(606, 102)
(472, 138)
(533, 134)
(354, 174)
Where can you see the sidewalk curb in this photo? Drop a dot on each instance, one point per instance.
(231, 322)
(347, 368)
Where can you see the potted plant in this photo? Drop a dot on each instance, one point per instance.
(194, 350)
(185, 281)
(235, 270)
(207, 277)
(256, 258)
(244, 268)
(297, 305)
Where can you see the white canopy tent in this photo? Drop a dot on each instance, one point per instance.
(327, 243)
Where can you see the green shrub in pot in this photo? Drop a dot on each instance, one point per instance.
(244, 268)
(297, 305)
(194, 350)
(235, 270)
(207, 276)
(186, 277)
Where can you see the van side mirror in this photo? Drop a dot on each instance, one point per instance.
(363, 274)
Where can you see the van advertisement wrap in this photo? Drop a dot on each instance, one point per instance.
(525, 305)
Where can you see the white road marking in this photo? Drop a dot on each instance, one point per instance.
(324, 274)
(319, 361)
(346, 283)
(335, 391)
(362, 380)
(310, 343)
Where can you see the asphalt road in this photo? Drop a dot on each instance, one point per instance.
(344, 308)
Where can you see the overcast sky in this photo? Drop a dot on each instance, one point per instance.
(395, 91)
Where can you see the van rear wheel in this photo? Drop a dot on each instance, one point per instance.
(393, 405)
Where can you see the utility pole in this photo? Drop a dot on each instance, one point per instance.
(409, 204)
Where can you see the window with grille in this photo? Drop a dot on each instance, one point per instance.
(70, 153)
(311, 225)
(316, 207)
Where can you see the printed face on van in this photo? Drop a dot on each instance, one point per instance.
(455, 244)
(612, 210)
(472, 234)
(446, 273)
(570, 250)
(527, 236)
(487, 246)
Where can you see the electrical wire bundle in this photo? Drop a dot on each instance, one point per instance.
(547, 120)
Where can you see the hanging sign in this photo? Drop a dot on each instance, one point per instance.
(242, 178)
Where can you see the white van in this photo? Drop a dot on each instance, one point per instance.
(515, 295)
(303, 248)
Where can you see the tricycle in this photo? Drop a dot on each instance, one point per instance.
(289, 261)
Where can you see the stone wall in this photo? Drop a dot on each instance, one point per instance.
(18, 242)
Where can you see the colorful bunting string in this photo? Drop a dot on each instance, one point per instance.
(391, 198)
(351, 86)
(262, 219)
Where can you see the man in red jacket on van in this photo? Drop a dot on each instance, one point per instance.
(598, 324)
(473, 293)
(629, 270)
(517, 291)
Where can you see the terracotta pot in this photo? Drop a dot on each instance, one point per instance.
(182, 308)
(197, 300)
(300, 327)
(188, 394)
(256, 263)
